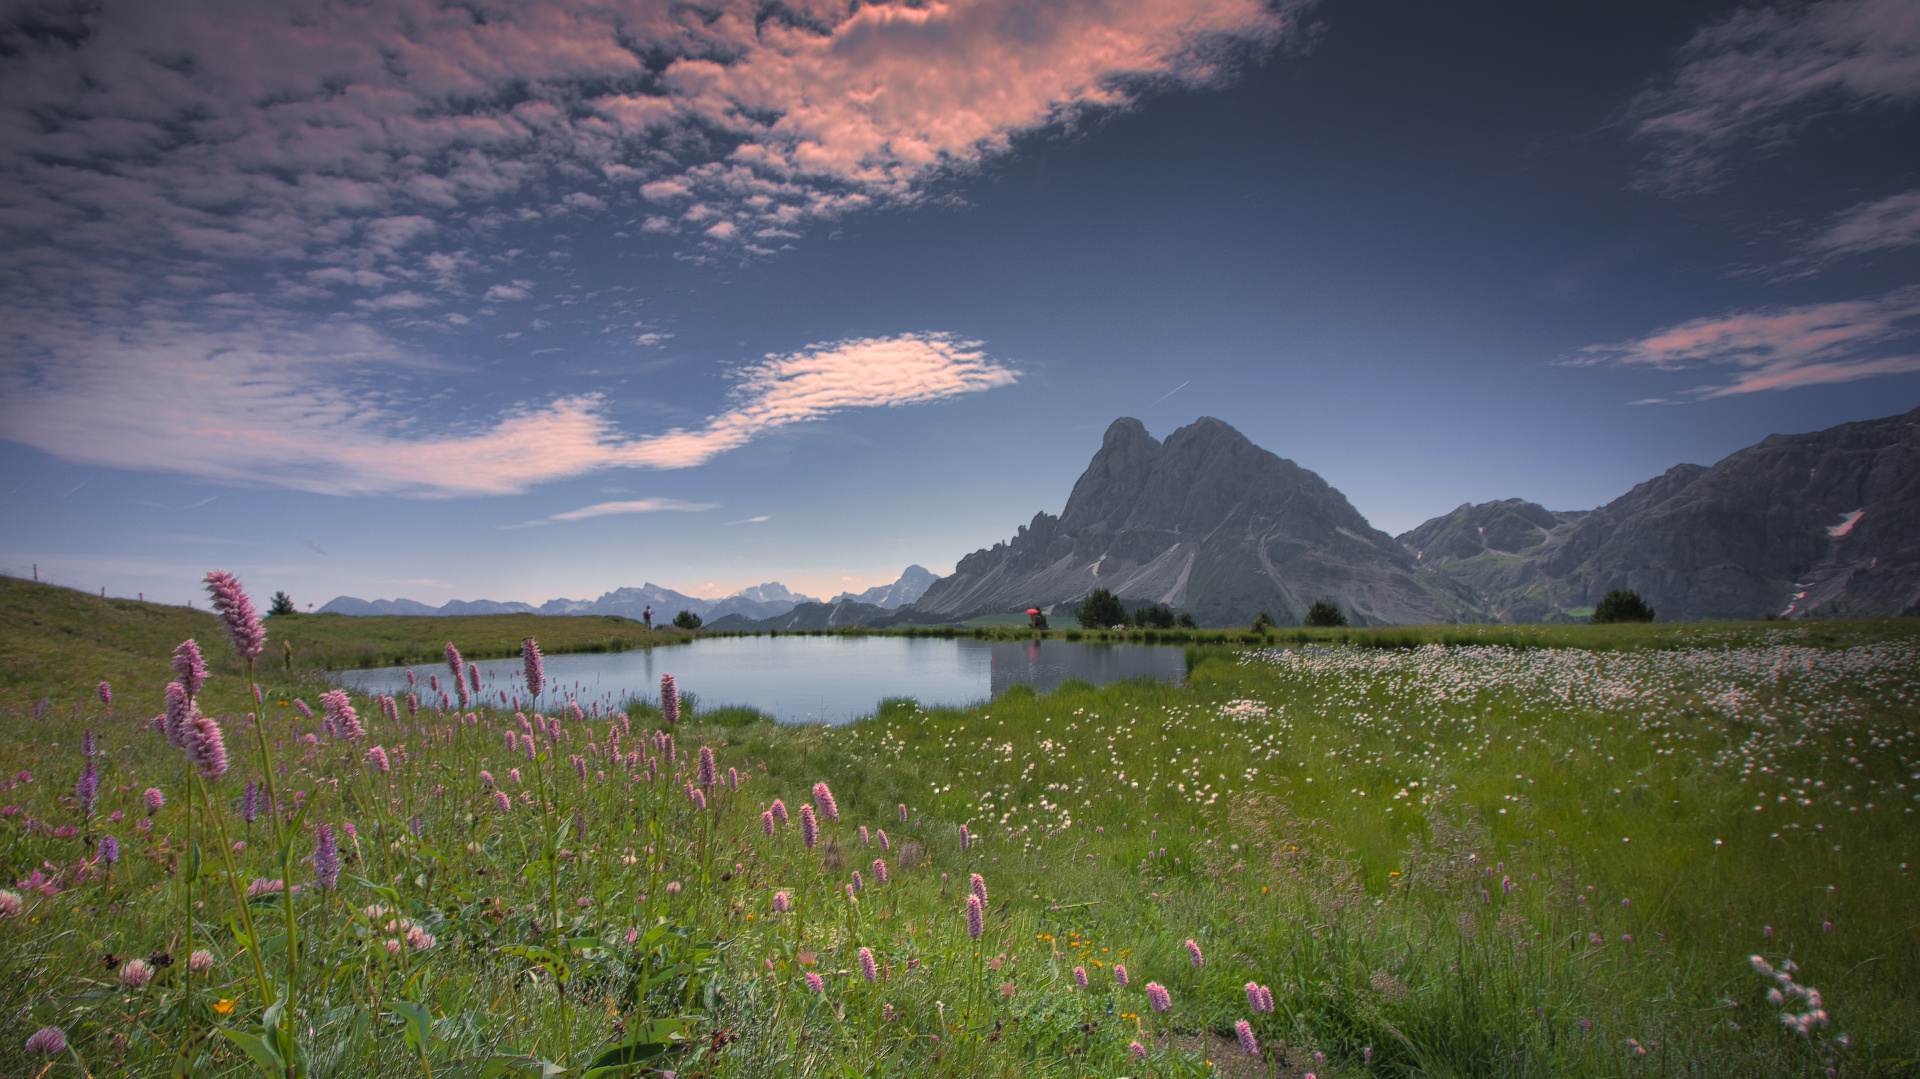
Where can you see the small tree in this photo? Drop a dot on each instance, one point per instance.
(1187, 622)
(1155, 617)
(1622, 605)
(1326, 613)
(282, 604)
(687, 620)
(1100, 610)
(1263, 623)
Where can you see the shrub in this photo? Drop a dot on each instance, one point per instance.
(686, 620)
(1262, 624)
(1325, 613)
(1154, 617)
(1187, 622)
(1622, 605)
(1099, 610)
(282, 604)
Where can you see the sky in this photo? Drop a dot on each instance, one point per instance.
(525, 300)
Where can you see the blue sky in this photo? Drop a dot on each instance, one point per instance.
(517, 301)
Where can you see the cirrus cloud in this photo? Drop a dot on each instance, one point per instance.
(1779, 348)
(258, 405)
(1756, 76)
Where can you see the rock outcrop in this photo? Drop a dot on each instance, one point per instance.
(1825, 524)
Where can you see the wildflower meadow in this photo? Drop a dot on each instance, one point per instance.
(1689, 858)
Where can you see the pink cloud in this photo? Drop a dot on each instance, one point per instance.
(1872, 226)
(1753, 78)
(1781, 348)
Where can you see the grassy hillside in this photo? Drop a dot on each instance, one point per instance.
(1472, 860)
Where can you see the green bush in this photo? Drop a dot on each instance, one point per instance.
(1100, 610)
(1261, 624)
(686, 620)
(1325, 613)
(1622, 605)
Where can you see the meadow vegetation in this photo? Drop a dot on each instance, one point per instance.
(1498, 851)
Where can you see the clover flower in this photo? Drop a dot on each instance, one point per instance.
(136, 973)
(154, 800)
(504, 803)
(1080, 977)
(47, 1041)
(10, 904)
(816, 983)
(779, 810)
(1120, 975)
(782, 902)
(200, 961)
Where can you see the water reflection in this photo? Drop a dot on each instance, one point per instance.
(796, 679)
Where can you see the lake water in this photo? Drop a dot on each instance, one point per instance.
(799, 679)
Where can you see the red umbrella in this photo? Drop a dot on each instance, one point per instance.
(1033, 610)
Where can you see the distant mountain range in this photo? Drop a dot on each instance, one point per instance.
(759, 602)
(1824, 524)
(913, 584)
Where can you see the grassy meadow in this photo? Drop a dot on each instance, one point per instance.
(1509, 851)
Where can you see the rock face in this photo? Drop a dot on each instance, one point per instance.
(1208, 524)
(1824, 524)
(913, 583)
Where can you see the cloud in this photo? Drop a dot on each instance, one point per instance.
(378, 138)
(1756, 76)
(519, 290)
(644, 505)
(1780, 348)
(269, 401)
(762, 519)
(1872, 226)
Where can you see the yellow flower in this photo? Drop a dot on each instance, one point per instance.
(223, 1006)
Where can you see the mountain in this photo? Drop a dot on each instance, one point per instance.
(810, 615)
(760, 601)
(1823, 524)
(1208, 524)
(913, 583)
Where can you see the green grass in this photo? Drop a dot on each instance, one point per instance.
(1433, 853)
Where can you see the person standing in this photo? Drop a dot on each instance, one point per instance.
(647, 616)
